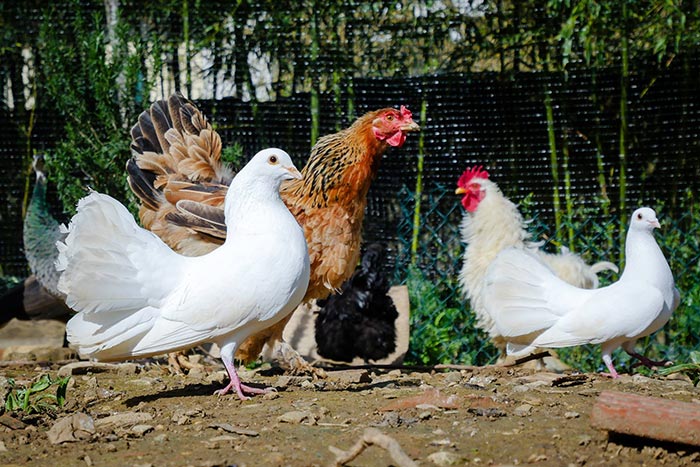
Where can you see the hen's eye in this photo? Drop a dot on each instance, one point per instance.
(639, 216)
(390, 117)
(273, 159)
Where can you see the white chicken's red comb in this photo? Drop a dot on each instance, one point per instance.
(469, 174)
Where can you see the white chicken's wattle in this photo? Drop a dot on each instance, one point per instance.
(136, 297)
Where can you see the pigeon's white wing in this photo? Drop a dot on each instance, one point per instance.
(524, 296)
(620, 310)
(254, 292)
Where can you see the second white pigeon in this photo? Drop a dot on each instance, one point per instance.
(138, 298)
(533, 308)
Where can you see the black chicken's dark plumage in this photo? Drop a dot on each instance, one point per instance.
(360, 320)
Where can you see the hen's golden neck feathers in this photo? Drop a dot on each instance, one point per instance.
(340, 166)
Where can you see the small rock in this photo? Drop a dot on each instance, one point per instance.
(111, 447)
(523, 410)
(481, 381)
(443, 458)
(161, 438)
(140, 430)
(453, 377)
(584, 440)
(297, 417)
(306, 384)
(441, 442)
(426, 414)
(11, 422)
(127, 369)
(234, 429)
(75, 427)
(285, 381)
(217, 441)
(2, 447)
(571, 415)
(351, 376)
(123, 419)
(81, 368)
(270, 396)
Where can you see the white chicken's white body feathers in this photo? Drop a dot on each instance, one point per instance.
(136, 297)
(496, 225)
(532, 308)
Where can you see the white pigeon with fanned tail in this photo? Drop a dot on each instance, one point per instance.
(138, 298)
(533, 308)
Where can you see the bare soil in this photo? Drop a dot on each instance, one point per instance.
(480, 416)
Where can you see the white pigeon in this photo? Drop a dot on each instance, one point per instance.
(138, 298)
(533, 308)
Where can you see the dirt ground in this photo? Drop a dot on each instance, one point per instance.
(139, 414)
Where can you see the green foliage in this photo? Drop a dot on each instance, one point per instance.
(440, 332)
(95, 78)
(691, 369)
(35, 398)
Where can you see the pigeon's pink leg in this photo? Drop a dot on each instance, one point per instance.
(236, 381)
(608, 363)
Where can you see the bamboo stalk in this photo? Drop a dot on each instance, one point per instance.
(419, 184)
(554, 163)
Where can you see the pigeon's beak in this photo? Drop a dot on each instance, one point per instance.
(655, 223)
(294, 172)
(460, 190)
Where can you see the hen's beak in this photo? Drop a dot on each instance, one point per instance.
(410, 126)
(294, 172)
(460, 191)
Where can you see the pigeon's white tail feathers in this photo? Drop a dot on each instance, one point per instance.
(601, 266)
(523, 295)
(109, 336)
(109, 263)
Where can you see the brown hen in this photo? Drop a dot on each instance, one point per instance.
(177, 173)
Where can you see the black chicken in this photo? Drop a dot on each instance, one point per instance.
(359, 320)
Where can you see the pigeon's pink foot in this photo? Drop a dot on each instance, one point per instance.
(241, 389)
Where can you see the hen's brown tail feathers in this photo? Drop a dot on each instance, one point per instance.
(177, 173)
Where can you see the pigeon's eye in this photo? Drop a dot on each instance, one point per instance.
(272, 160)
(639, 216)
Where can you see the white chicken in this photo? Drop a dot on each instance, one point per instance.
(491, 224)
(137, 298)
(532, 308)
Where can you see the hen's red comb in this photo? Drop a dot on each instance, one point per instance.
(405, 113)
(469, 174)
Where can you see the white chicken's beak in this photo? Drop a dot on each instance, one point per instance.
(460, 191)
(294, 172)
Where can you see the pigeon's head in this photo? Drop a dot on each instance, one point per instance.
(274, 163)
(473, 184)
(644, 219)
